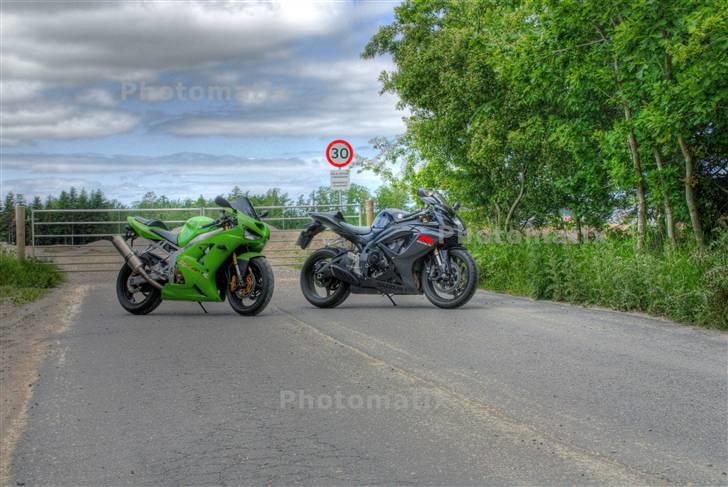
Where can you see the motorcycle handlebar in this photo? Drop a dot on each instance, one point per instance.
(218, 222)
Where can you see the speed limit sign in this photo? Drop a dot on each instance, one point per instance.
(339, 153)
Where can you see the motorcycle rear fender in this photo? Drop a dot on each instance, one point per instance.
(310, 230)
(141, 229)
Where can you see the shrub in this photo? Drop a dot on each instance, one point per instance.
(687, 285)
(27, 280)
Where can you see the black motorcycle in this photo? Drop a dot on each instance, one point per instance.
(402, 253)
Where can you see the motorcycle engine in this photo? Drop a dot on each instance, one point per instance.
(159, 267)
(376, 263)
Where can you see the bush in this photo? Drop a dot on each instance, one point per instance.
(686, 285)
(26, 281)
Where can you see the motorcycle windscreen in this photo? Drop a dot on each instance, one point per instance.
(243, 205)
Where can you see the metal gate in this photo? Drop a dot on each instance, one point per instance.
(79, 240)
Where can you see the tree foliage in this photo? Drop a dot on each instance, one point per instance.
(527, 108)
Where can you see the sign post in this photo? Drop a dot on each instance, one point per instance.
(339, 153)
(340, 179)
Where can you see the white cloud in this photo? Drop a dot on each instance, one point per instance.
(63, 122)
(13, 91)
(113, 41)
(266, 53)
(331, 114)
(96, 96)
(257, 95)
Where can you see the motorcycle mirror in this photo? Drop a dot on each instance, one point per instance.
(220, 201)
(456, 206)
(422, 192)
(263, 214)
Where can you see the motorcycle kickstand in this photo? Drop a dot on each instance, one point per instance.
(203, 308)
(392, 300)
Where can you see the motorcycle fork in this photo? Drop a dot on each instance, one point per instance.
(443, 260)
(236, 266)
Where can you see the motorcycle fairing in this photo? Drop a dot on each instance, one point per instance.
(202, 259)
(420, 240)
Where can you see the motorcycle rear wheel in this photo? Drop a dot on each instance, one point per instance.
(138, 300)
(335, 291)
(463, 290)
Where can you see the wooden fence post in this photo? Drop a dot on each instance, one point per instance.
(20, 232)
(370, 212)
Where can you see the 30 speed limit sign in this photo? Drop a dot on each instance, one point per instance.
(339, 153)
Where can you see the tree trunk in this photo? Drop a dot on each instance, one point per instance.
(579, 236)
(669, 219)
(690, 179)
(690, 182)
(498, 221)
(637, 164)
(517, 201)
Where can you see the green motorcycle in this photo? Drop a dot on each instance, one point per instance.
(204, 260)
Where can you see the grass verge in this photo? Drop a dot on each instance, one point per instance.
(25, 281)
(686, 285)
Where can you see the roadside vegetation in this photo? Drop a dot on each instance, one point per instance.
(687, 285)
(25, 281)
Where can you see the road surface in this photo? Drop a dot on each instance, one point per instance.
(503, 391)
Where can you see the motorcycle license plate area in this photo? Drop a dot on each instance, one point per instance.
(309, 232)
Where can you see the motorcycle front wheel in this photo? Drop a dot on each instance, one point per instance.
(459, 287)
(255, 292)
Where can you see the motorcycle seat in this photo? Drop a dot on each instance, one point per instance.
(151, 222)
(169, 236)
(354, 229)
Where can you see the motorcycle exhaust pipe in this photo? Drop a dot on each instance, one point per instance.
(343, 274)
(133, 260)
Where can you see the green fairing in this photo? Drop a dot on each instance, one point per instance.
(192, 228)
(200, 261)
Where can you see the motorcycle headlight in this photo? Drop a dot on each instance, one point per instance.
(250, 235)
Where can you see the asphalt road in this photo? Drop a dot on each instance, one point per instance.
(503, 391)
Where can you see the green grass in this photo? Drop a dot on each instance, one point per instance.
(690, 285)
(26, 281)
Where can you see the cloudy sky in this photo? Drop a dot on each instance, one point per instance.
(186, 98)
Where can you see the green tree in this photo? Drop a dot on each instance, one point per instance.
(7, 225)
(388, 196)
(525, 108)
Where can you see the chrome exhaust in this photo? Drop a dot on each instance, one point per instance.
(133, 260)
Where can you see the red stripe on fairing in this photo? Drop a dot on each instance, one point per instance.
(425, 239)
